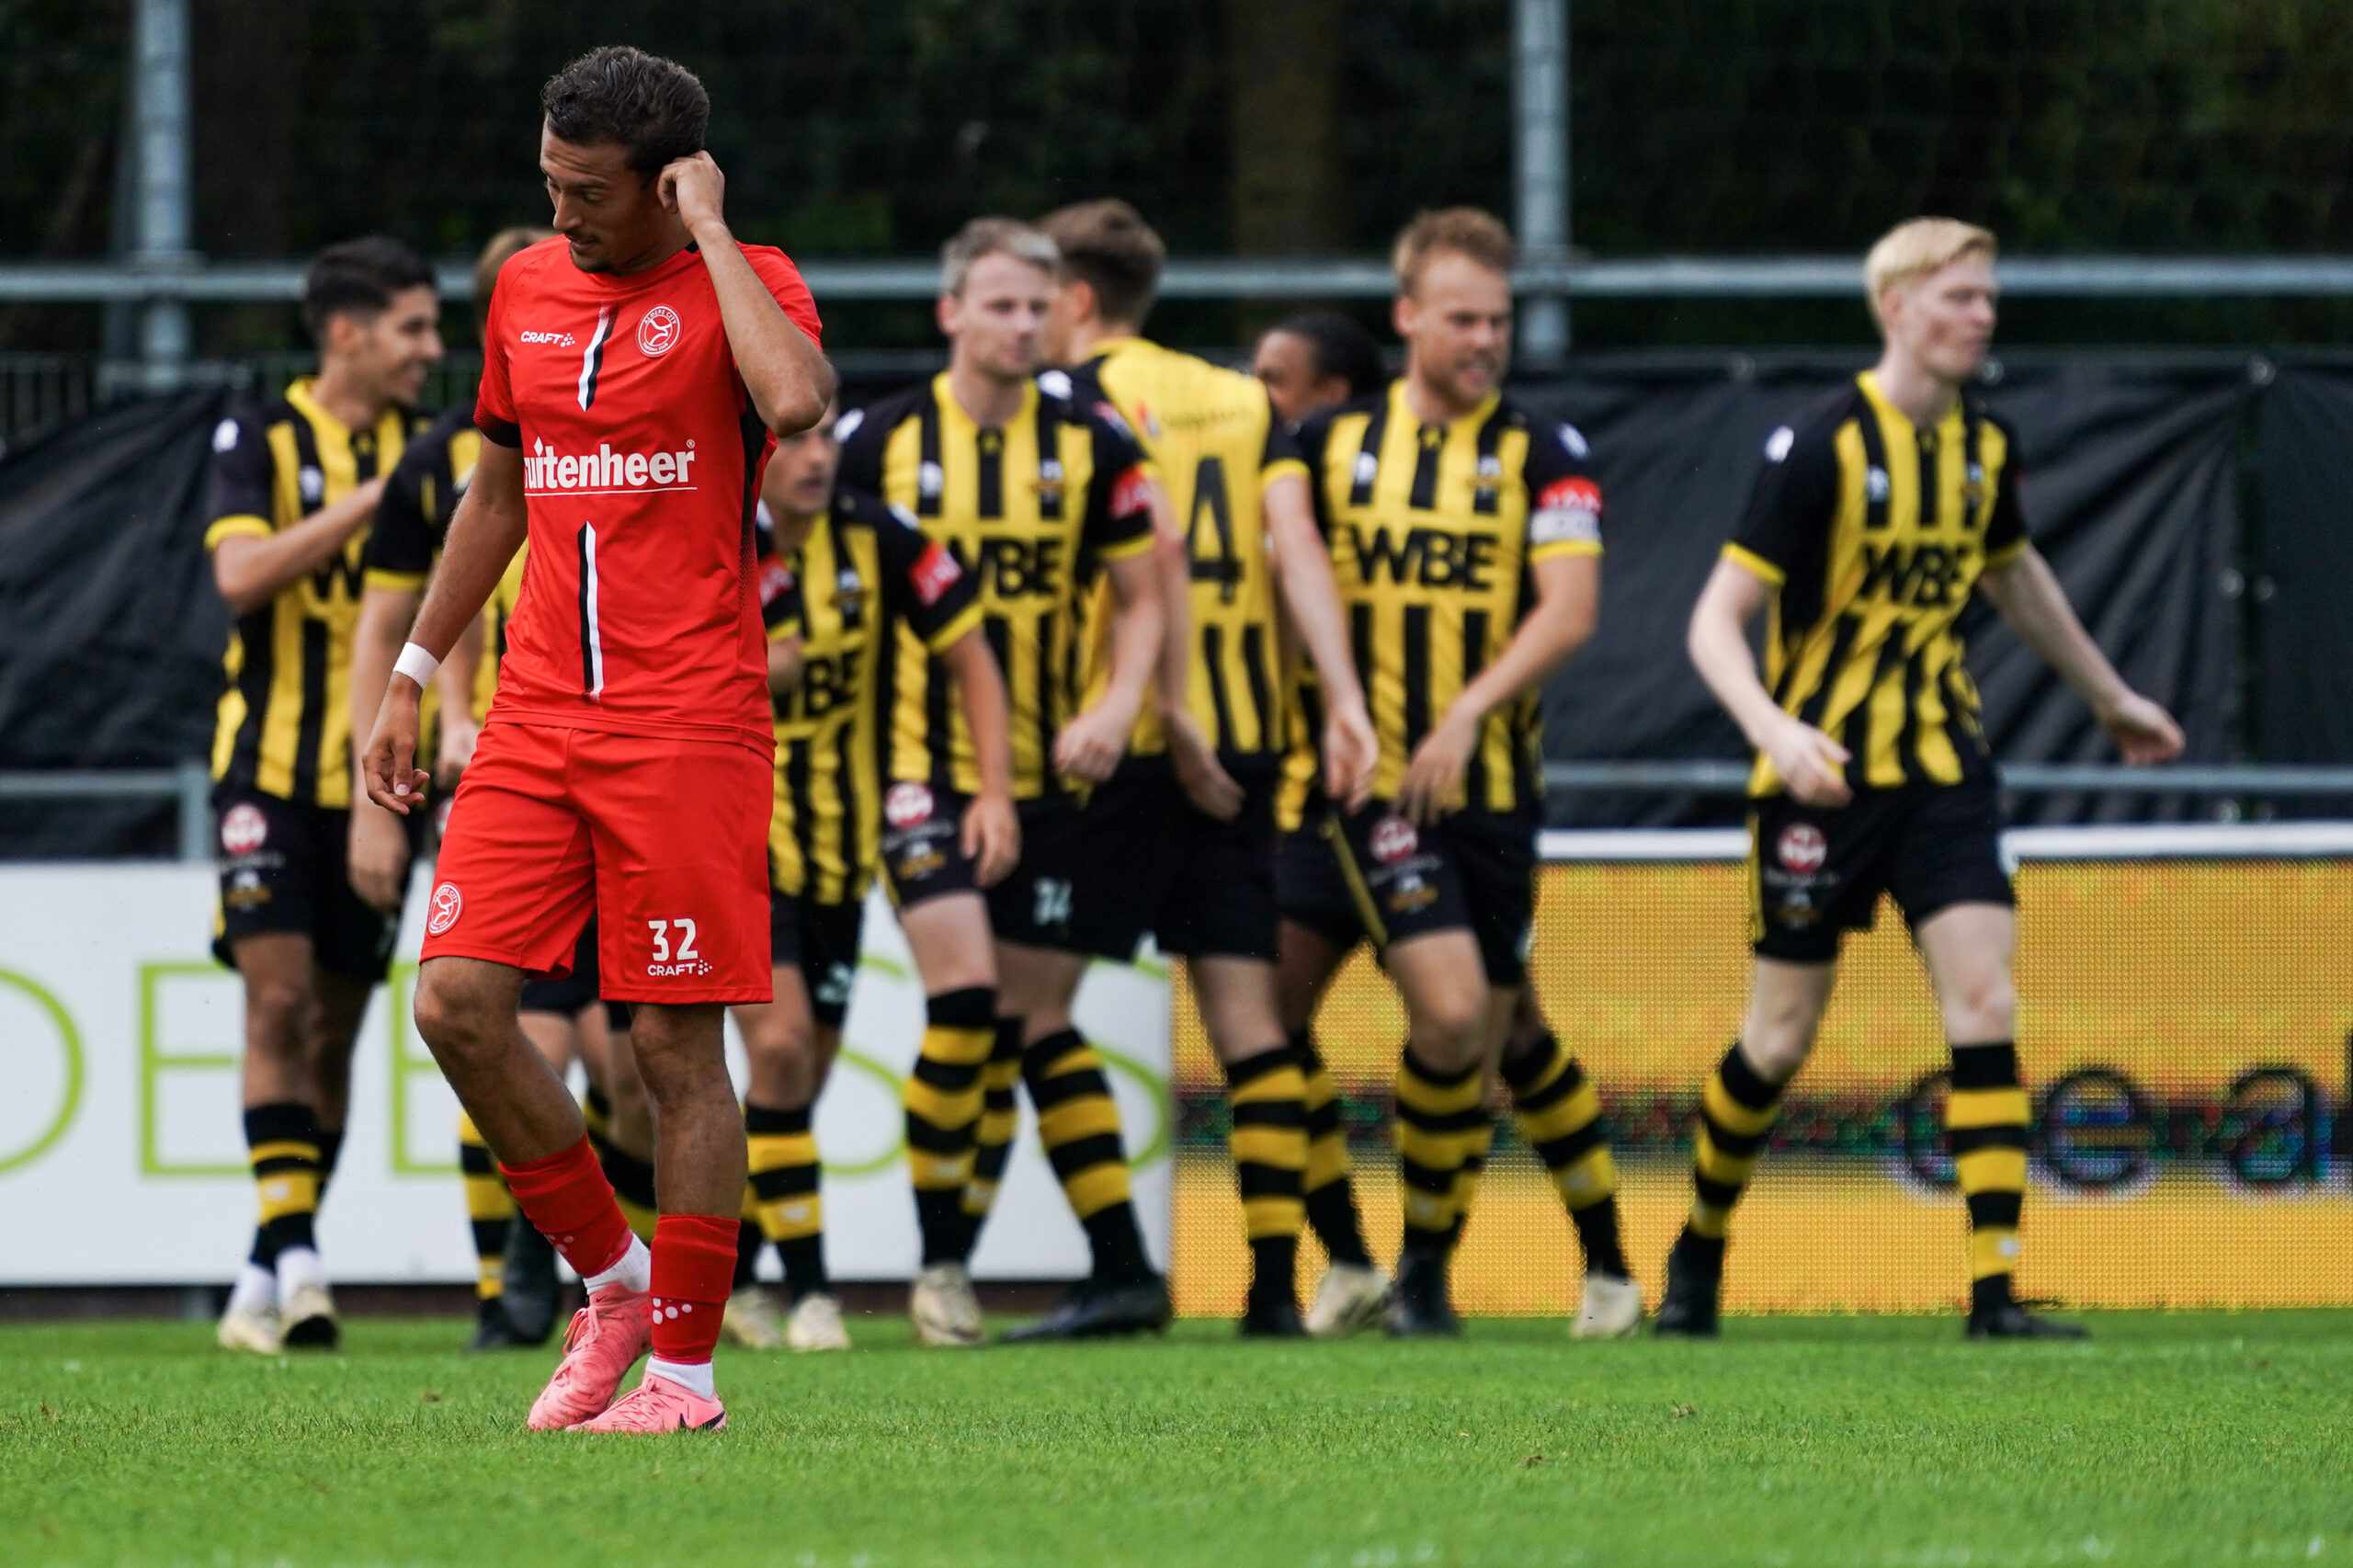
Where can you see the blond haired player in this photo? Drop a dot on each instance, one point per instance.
(1874, 518)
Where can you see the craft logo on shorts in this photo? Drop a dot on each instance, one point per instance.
(906, 804)
(1392, 839)
(657, 333)
(448, 905)
(1803, 848)
(243, 829)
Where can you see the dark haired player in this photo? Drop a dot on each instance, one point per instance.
(1874, 519)
(1314, 360)
(296, 484)
(631, 377)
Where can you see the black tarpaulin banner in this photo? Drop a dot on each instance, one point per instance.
(2127, 492)
(2304, 614)
(111, 629)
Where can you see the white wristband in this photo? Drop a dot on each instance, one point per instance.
(417, 665)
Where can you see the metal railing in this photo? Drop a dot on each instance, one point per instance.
(190, 784)
(196, 282)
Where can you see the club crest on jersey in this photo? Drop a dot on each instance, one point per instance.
(1974, 489)
(315, 486)
(1803, 848)
(657, 332)
(1490, 481)
(1393, 838)
(849, 593)
(906, 804)
(448, 905)
(1050, 482)
(243, 829)
(1876, 482)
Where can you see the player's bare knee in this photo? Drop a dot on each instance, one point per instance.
(278, 1019)
(1449, 1031)
(454, 1016)
(1980, 1007)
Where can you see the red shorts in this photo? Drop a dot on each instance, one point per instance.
(664, 840)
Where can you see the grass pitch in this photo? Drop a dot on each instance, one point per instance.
(2168, 1438)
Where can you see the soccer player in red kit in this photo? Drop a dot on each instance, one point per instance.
(631, 377)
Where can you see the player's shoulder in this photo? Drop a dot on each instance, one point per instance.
(858, 508)
(1550, 437)
(533, 269)
(1973, 409)
(245, 429)
(1316, 429)
(1077, 396)
(1811, 431)
(876, 420)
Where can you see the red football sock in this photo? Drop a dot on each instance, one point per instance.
(569, 1202)
(694, 1266)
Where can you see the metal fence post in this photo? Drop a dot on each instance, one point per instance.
(196, 810)
(1541, 165)
(159, 48)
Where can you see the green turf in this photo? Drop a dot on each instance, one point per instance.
(2183, 1438)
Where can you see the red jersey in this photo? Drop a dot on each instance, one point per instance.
(641, 456)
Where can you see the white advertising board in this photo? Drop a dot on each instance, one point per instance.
(121, 1150)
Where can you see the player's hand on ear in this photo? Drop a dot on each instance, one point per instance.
(991, 838)
(1351, 754)
(694, 188)
(1810, 763)
(2142, 730)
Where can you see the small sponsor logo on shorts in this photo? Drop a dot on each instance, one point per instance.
(448, 905)
(671, 971)
(906, 804)
(1393, 838)
(243, 829)
(246, 891)
(1412, 894)
(918, 863)
(1803, 847)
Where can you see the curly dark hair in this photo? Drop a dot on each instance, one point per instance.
(653, 107)
(358, 278)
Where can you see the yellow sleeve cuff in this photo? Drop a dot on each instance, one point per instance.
(238, 526)
(1563, 549)
(946, 636)
(393, 582)
(1755, 564)
(1281, 467)
(1126, 547)
(2007, 553)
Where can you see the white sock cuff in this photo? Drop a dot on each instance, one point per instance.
(634, 1269)
(692, 1375)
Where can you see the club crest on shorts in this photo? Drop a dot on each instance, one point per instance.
(657, 332)
(1393, 838)
(243, 829)
(1803, 847)
(906, 804)
(448, 905)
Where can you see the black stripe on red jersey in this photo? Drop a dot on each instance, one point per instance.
(586, 539)
(592, 359)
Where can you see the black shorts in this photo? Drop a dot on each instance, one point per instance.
(568, 996)
(286, 867)
(1148, 860)
(820, 941)
(1818, 874)
(1472, 871)
(1310, 889)
(924, 858)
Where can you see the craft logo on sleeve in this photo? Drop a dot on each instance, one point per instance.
(1803, 848)
(657, 333)
(243, 829)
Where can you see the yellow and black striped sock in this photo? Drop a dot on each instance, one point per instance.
(1736, 1111)
(596, 1114)
(490, 1210)
(1477, 1142)
(993, 1140)
(1079, 1125)
(1331, 1196)
(632, 1180)
(1270, 1139)
(1986, 1116)
(1560, 1114)
(1440, 1124)
(789, 1182)
(282, 1143)
(942, 1099)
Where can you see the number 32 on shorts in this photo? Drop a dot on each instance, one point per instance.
(673, 948)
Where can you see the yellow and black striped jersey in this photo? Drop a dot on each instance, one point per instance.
(1024, 510)
(1434, 529)
(1872, 532)
(412, 520)
(1217, 443)
(864, 574)
(284, 726)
